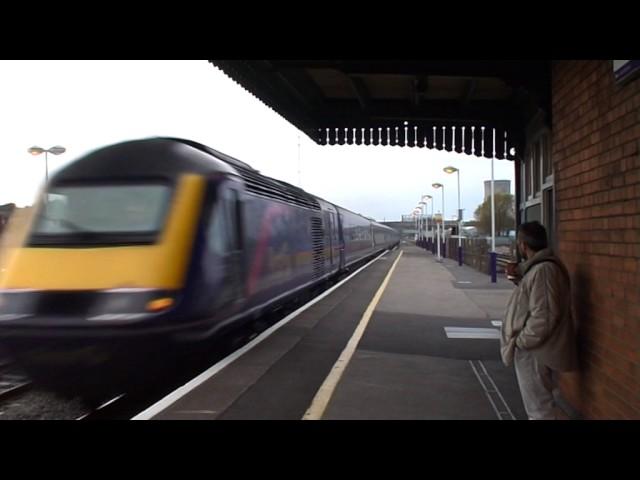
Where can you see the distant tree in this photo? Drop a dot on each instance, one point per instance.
(505, 214)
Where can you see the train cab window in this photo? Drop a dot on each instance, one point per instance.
(101, 213)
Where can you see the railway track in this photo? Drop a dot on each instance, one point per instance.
(128, 404)
(22, 399)
(11, 381)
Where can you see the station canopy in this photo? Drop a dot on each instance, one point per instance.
(426, 104)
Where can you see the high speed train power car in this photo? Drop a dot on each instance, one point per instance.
(167, 239)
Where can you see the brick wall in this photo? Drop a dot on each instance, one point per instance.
(596, 156)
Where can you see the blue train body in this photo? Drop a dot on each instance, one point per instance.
(248, 244)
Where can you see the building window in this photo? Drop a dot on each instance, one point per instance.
(547, 167)
(536, 182)
(535, 168)
(526, 175)
(533, 214)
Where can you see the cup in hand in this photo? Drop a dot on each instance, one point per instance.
(512, 270)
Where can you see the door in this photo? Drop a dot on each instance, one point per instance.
(333, 228)
(224, 241)
(341, 239)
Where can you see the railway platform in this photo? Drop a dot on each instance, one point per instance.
(405, 338)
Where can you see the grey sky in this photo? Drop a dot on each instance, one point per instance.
(83, 105)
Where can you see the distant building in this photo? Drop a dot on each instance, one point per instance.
(5, 212)
(499, 186)
(406, 227)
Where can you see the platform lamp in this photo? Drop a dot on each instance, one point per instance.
(423, 218)
(57, 150)
(439, 185)
(420, 210)
(456, 170)
(429, 197)
(415, 214)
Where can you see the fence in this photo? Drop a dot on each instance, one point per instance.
(475, 253)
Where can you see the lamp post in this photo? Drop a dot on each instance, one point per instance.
(429, 197)
(423, 208)
(493, 255)
(439, 185)
(57, 150)
(418, 223)
(415, 214)
(452, 170)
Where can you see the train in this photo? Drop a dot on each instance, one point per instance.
(165, 241)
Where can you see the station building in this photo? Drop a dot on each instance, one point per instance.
(572, 131)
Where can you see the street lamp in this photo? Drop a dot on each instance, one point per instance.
(452, 170)
(429, 197)
(57, 150)
(423, 223)
(415, 215)
(492, 256)
(439, 185)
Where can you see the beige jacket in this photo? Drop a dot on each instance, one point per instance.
(538, 316)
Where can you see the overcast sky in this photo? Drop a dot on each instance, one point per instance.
(83, 105)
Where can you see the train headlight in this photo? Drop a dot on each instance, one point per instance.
(159, 304)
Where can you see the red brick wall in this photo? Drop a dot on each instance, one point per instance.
(596, 156)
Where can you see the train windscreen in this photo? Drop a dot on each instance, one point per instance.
(78, 214)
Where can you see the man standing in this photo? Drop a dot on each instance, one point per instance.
(538, 334)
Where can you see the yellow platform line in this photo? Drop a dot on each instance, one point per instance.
(324, 394)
